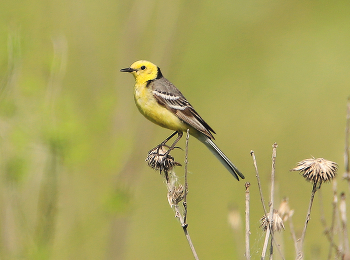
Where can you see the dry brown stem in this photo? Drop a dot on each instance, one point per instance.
(247, 225)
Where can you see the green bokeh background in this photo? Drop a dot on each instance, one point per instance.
(74, 184)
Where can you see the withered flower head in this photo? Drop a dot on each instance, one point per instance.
(159, 159)
(317, 170)
(277, 222)
(176, 195)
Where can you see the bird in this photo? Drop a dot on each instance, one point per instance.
(163, 104)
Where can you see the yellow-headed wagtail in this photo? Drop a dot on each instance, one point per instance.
(163, 104)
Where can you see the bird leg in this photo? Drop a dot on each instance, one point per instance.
(170, 148)
(168, 138)
(179, 135)
(159, 157)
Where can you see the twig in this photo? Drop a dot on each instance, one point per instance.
(330, 231)
(160, 160)
(247, 225)
(342, 208)
(271, 248)
(300, 253)
(338, 231)
(270, 230)
(190, 243)
(186, 183)
(258, 179)
(184, 227)
(261, 198)
(347, 149)
(178, 214)
(273, 167)
(266, 241)
(274, 150)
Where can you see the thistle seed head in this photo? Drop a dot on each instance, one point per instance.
(317, 170)
(159, 159)
(277, 222)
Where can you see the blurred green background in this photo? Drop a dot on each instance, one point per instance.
(74, 184)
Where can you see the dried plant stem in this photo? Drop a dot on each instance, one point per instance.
(186, 183)
(300, 253)
(178, 214)
(184, 227)
(314, 189)
(247, 225)
(258, 179)
(269, 230)
(271, 249)
(342, 208)
(330, 232)
(190, 243)
(262, 202)
(330, 237)
(267, 236)
(347, 167)
(274, 150)
(347, 149)
(273, 167)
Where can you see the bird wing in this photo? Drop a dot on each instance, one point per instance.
(169, 96)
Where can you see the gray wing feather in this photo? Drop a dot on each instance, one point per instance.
(169, 96)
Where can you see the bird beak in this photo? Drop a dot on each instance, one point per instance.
(128, 70)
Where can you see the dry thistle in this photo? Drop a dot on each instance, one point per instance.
(317, 170)
(277, 222)
(159, 159)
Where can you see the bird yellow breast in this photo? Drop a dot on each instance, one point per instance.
(150, 108)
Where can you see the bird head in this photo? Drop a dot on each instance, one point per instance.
(143, 71)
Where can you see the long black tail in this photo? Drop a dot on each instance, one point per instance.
(220, 156)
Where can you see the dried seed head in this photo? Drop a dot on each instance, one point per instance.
(176, 195)
(277, 222)
(317, 170)
(284, 211)
(158, 159)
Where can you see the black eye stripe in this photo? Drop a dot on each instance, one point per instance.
(143, 67)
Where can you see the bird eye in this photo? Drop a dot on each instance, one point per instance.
(143, 67)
